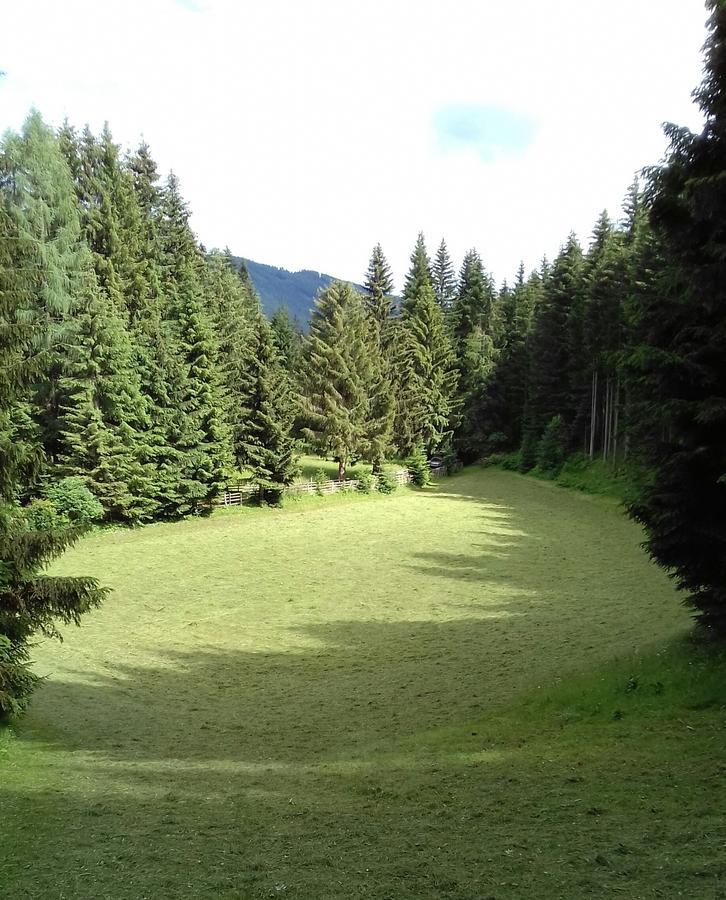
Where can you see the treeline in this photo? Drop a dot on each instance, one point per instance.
(159, 375)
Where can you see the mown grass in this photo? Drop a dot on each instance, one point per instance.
(310, 465)
(479, 690)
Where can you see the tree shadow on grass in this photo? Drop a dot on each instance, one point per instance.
(361, 763)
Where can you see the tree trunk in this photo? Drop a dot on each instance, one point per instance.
(341, 468)
(593, 412)
(616, 417)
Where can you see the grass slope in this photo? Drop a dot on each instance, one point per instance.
(380, 697)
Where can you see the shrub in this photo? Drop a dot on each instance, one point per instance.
(72, 498)
(320, 478)
(365, 483)
(41, 515)
(418, 467)
(551, 449)
(512, 462)
(386, 483)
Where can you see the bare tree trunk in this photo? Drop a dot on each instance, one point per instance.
(616, 417)
(593, 412)
(606, 429)
(341, 468)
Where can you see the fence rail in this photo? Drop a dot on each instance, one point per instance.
(236, 495)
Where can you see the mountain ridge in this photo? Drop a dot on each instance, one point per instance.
(296, 291)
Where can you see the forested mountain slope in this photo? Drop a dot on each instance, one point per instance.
(279, 287)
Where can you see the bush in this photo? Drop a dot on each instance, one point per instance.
(365, 483)
(418, 467)
(386, 483)
(551, 449)
(41, 515)
(72, 498)
(320, 478)
(512, 462)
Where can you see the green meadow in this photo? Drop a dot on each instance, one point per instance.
(482, 689)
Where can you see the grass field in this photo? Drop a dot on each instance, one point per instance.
(480, 690)
(311, 465)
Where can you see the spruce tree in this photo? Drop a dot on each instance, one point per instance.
(379, 285)
(419, 274)
(31, 602)
(472, 317)
(264, 419)
(104, 415)
(553, 356)
(346, 403)
(444, 279)
(288, 341)
(425, 367)
(681, 363)
(198, 428)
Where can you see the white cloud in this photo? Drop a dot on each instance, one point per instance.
(302, 129)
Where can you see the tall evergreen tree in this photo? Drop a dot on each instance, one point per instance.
(31, 602)
(472, 317)
(681, 364)
(552, 350)
(263, 437)
(419, 274)
(288, 341)
(199, 430)
(379, 285)
(424, 364)
(444, 279)
(346, 403)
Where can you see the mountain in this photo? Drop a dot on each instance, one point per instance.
(279, 287)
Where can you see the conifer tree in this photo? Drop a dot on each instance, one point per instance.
(507, 389)
(419, 274)
(552, 350)
(31, 602)
(104, 416)
(346, 403)
(199, 429)
(263, 436)
(424, 364)
(444, 279)
(681, 364)
(472, 317)
(288, 341)
(379, 285)
(234, 309)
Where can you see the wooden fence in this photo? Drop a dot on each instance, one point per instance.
(237, 495)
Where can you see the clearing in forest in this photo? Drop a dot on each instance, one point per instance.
(347, 698)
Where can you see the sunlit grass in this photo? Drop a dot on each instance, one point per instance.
(423, 695)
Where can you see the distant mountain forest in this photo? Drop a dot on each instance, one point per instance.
(280, 288)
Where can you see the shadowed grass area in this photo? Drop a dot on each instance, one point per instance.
(475, 690)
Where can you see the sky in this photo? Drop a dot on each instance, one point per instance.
(305, 131)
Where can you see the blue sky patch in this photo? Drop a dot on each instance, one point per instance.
(490, 131)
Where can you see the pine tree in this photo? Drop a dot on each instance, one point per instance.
(104, 416)
(234, 309)
(198, 429)
(263, 436)
(681, 364)
(379, 285)
(31, 602)
(424, 363)
(346, 403)
(288, 341)
(472, 317)
(553, 354)
(444, 279)
(419, 274)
